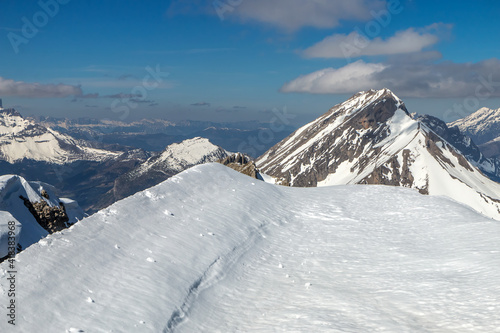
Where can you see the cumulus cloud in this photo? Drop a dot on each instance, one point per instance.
(353, 77)
(289, 15)
(425, 80)
(37, 90)
(357, 45)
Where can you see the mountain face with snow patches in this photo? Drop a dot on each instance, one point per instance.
(175, 158)
(24, 139)
(94, 177)
(462, 142)
(12, 208)
(372, 139)
(483, 125)
(212, 250)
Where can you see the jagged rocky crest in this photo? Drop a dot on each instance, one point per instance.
(241, 163)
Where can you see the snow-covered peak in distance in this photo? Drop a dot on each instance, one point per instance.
(24, 139)
(239, 255)
(372, 139)
(483, 125)
(178, 156)
(175, 158)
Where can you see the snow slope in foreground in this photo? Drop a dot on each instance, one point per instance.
(211, 250)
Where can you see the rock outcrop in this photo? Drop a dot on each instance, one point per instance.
(50, 218)
(241, 163)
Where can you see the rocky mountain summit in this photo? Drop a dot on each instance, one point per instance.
(372, 139)
(175, 158)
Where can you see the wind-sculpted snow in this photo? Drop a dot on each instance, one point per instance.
(211, 250)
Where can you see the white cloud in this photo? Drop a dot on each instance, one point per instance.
(357, 45)
(353, 77)
(424, 80)
(37, 90)
(294, 14)
(289, 15)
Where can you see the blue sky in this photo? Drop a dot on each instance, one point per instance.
(233, 60)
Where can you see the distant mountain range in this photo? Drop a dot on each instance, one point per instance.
(96, 177)
(175, 158)
(372, 139)
(156, 134)
(369, 139)
(483, 126)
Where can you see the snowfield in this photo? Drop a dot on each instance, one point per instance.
(211, 250)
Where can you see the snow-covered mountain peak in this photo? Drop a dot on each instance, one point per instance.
(372, 139)
(175, 158)
(483, 125)
(363, 100)
(22, 138)
(188, 152)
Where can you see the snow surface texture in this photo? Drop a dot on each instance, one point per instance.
(23, 139)
(11, 187)
(211, 250)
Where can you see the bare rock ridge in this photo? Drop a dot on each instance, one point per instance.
(372, 139)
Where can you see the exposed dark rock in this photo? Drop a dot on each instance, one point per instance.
(50, 218)
(242, 164)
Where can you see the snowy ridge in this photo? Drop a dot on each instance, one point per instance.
(483, 125)
(378, 142)
(179, 156)
(239, 255)
(29, 232)
(23, 139)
